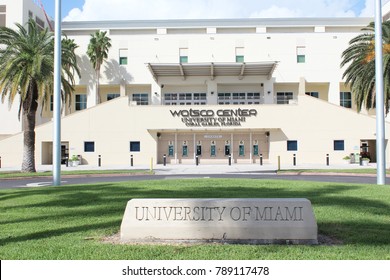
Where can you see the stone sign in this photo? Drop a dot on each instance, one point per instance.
(252, 221)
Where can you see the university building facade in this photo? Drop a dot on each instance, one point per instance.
(207, 91)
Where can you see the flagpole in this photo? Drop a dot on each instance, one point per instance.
(380, 114)
(57, 97)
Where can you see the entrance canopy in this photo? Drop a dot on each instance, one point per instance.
(239, 70)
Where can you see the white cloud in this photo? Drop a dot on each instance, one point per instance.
(186, 9)
(369, 9)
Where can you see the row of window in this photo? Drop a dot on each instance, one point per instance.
(185, 98)
(201, 98)
(345, 98)
(239, 57)
(135, 146)
(338, 145)
(238, 98)
(89, 146)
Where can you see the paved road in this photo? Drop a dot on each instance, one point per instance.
(66, 180)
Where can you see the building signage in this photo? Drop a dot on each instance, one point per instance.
(214, 118)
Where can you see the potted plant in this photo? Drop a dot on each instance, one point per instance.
(365, 161)
(74, 161)
(347, 159)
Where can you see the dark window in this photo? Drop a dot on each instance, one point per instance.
(338, 145)
(135, 146)
(313, 94)
(111, 96)
(346, 99)
(81, 102)
(183, 59)
(292, 145)
(89, 146)
(301, 58)
(239, 58)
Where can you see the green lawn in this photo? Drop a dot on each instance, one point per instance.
(18, 174)
(69, 222)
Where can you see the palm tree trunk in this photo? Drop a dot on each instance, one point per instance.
(28, 164)
(97, 87)
(30, 107)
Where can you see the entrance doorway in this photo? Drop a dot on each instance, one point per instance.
(47, 152)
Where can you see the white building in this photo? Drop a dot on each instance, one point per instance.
(208, 89)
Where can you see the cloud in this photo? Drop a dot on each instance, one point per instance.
(207, 9)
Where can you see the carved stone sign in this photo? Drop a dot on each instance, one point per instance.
(253, 221)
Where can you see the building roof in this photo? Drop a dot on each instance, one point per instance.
(239, 70)
(198, 23)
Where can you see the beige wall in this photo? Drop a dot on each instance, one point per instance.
(314, 123)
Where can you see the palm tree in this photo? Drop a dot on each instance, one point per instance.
(359, 58)
(27, 72)
(97, 52)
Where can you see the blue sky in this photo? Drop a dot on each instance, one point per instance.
(169, 9)
(67, 5)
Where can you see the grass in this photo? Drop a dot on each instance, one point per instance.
(349, 171)
(18, 174)
(69, 222)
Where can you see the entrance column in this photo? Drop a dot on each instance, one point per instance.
(250, 147)
(194, 146)
(231, 147)
(175, 147)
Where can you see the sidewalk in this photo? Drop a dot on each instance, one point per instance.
(180, 169)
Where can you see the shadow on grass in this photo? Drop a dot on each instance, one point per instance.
(33, 214)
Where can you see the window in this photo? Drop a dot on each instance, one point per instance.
(185, 150)
(313, 94)
(40, 22)
(89, 147)
(141, 98)
(81, 102)
(123, 56)
(135, 146)
(239, 54)
(338, 145)
(292, 145)
(301, 54)
(111, 96)
(224, 98)
(200, 99)
(346, 99)
(186, 98)
(183, 53)
(239, 98)
(198, 150)
(241, 149)
(170, 98)
(284, 97)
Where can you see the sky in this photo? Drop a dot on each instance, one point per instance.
(83, 10)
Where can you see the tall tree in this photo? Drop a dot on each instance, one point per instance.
(27, 72)
(359, 59)
(97, 52)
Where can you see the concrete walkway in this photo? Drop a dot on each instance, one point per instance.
(173, 169)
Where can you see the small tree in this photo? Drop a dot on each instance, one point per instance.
(97, 52)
